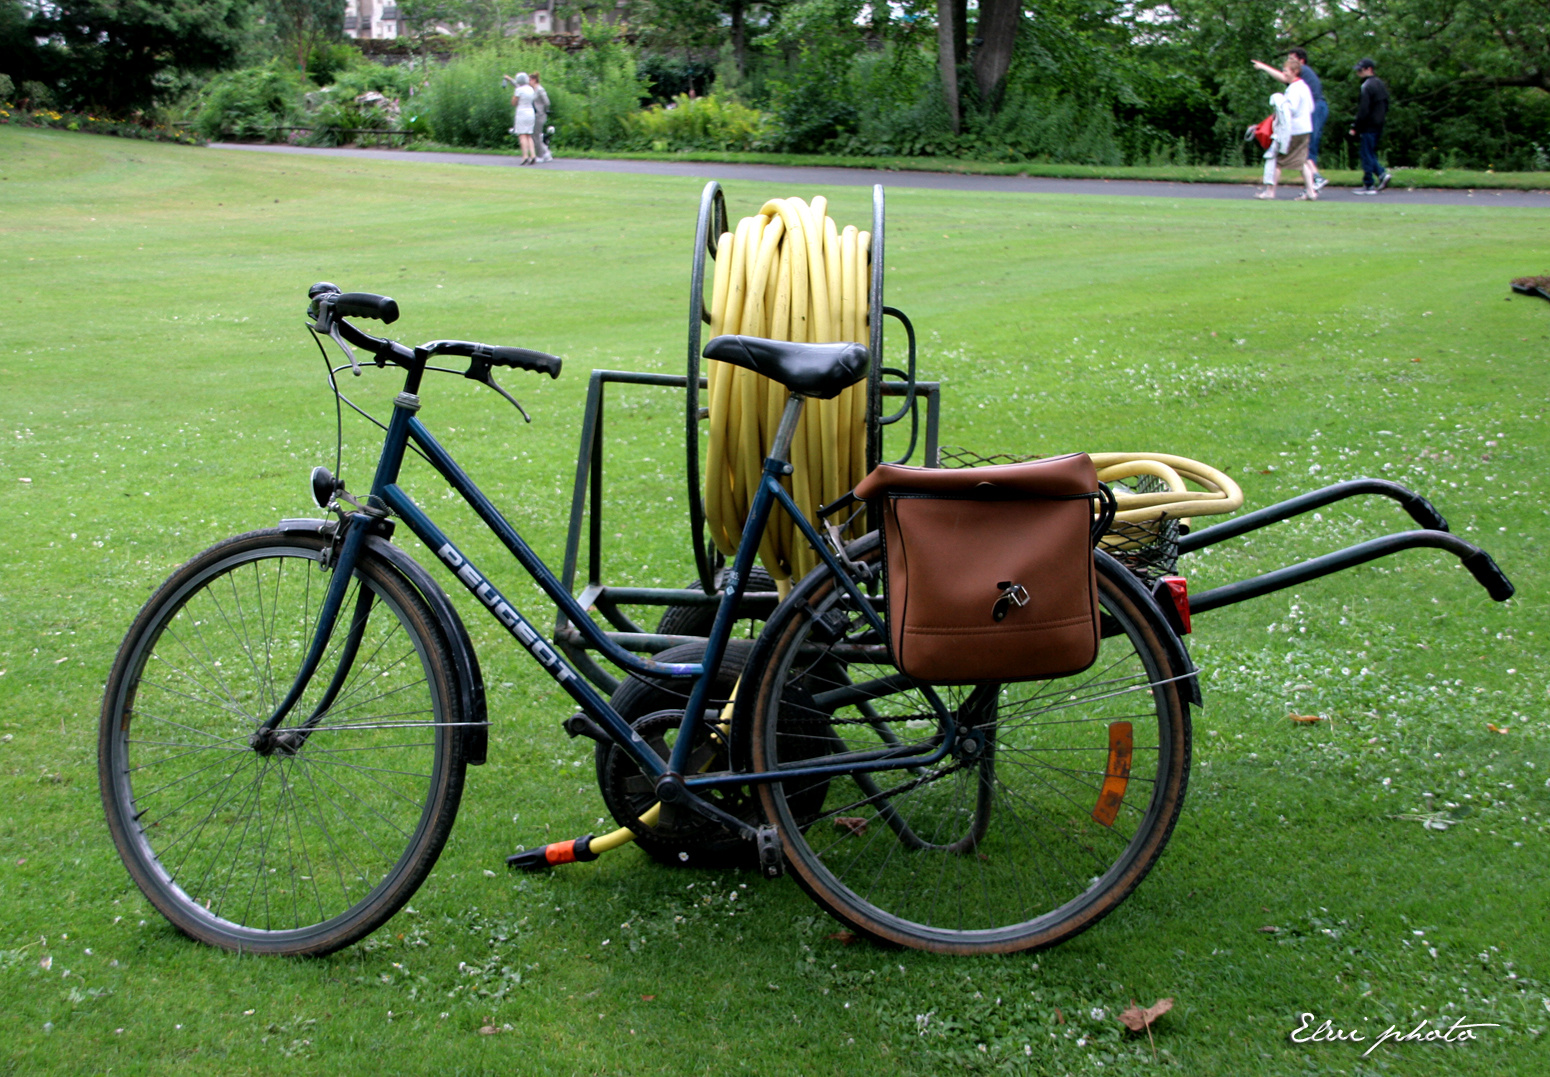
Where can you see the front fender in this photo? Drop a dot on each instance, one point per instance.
(465, 662)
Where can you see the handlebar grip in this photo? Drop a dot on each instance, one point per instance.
(1483, 567)
(526, 359)
(366, 305)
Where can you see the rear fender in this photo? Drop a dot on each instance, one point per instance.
(1178, 654)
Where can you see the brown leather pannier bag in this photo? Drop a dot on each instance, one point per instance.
(989, 570)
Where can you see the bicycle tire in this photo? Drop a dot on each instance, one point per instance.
(697, 620)
(998, 854)
(313, 845)
(654, 706)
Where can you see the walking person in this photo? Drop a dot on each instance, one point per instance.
(1371, 110)
(540, 118)
(524, 119)
(1298, 125)
(1298, 66)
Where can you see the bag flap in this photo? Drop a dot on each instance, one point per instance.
(1055, 476)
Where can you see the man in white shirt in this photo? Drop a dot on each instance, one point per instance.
(1299, 108)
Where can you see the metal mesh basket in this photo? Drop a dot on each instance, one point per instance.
(1149, 549)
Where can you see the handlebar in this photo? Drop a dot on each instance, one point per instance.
(330, 306)
(496, 355)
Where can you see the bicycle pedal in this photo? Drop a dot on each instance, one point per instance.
(771, 863)
(581, 724)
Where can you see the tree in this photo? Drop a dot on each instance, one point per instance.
(303, 25)
(122, 53)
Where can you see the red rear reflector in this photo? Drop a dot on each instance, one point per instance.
(1116, 776)
(1178, 590)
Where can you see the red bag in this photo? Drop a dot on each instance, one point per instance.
(1264, 131)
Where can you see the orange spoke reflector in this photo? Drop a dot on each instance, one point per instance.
(1117, 776)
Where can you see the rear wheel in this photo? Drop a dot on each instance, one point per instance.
(315, 839)
(1058, 801)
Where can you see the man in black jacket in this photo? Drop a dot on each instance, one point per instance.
(1371, 111)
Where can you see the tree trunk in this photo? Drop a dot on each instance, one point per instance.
(961, 30)
(739, 39)
(947, 58)
(997, 32)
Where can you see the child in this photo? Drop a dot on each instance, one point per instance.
(1280, 140)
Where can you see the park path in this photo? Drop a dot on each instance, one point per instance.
(941, 181)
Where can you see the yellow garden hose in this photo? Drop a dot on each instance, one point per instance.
(1144, 513)
(1220, 495)
(787, 273)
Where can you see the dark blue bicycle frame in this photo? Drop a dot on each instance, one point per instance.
(404, 427)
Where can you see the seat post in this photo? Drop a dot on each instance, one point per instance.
(781, 449)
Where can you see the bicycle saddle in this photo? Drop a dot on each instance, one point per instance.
(820, 370)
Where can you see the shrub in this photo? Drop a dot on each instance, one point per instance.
(698, 123)
(592, 93)
(391, 80)
(37, 94)
(330, 60)
(335, 122)
(250, 103)
(7, 88)
(467, 104)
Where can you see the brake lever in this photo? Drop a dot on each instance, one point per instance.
(479, 370)
(333, 331)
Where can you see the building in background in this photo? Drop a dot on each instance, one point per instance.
(377, 19)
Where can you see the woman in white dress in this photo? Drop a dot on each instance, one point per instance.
(525, 119)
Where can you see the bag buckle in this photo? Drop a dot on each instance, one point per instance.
(1012, 594)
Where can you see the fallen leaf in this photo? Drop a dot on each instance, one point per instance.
(1415, 360)
(1060, 1018)
(1306, 719)
(1139, 1020)
(851, 824)
(844, 938)
(1494, 728)
(488, 1030)
(1269, 929)
(648, 998)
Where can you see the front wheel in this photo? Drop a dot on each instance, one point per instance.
(310, 840)
(1057, 802)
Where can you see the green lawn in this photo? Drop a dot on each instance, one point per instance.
(160, 393)
(1455, 178)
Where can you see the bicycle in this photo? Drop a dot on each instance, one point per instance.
(277, 781)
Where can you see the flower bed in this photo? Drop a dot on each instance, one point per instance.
(96, 125)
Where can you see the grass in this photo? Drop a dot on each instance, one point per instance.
(1454, 178)
(160, 394)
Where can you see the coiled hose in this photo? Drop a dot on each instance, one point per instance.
(1220, 495)
(787, 273)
